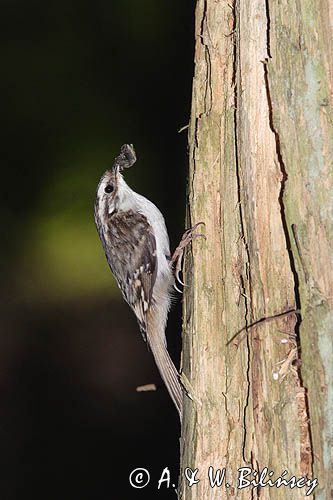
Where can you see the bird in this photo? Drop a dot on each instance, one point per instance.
(136, 244)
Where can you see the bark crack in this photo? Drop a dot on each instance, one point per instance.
(208, 87)
(306, 438)
(268, 29)
(236, 77)
(208, 92)
(284, 179)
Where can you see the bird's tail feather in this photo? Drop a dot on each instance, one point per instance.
(165, 365)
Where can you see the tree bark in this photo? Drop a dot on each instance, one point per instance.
(260, 178)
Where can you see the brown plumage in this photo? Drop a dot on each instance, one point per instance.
(136, 244)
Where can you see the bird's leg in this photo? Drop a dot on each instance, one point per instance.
(177, 257)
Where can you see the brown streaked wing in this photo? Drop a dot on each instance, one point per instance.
(132, 258)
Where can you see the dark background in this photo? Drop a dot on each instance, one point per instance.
(78, 80)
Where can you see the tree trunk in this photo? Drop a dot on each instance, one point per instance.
(260, 178)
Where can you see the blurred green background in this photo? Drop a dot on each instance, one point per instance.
(78, 80)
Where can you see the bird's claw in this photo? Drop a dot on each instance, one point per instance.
(177, 256)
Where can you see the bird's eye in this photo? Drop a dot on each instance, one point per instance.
(108, 188)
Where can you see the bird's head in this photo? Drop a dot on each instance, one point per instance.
(111, 186)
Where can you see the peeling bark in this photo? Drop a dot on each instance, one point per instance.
(260, 178)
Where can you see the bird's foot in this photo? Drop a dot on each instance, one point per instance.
(177, 257)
